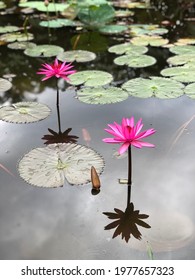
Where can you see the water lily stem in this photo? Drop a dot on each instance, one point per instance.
(129, 176)
(58, 109)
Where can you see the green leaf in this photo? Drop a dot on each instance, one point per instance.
(153, 87)
(57, 23)
(43, 50)
(154, 41)
(146, 29)
(91, 78)
(128, 48)
(8, 29)
(181, 74)
(183, 49)
(100, 95)
(24, 112)
(55, 164)
(21, 45)
(2, 5)
(40, 6)
(4, 85)
(136, 61)
(78, 56)
(190, 90)
(182, 59)
(18, 36)
(113, 29)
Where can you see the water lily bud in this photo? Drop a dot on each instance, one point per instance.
(46, 3)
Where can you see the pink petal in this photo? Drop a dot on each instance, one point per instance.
(146, 133)
(117, 134)
(123, 148)
(112, 140)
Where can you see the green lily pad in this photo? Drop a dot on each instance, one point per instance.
(86, 3)
(185, 41)
(123, 13)
(24, 112)
(182, 59)
(57, 23)
(146, 29)
(8, 29)
(183, 49)
(18, 36)
(40, 6)
(55, 164)
(77, 55)
(4, 85)
(2, 5)
(154, 41)
(153, 87)
(100, 95)
(190, 90)
(181, 74)
(91, 78)
(21, 45)
(43, 50)
(128, 48)
(136, 61)
(113, 29)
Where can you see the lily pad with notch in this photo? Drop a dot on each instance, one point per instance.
(101, 95)
(9, 28)
(154, 41)
(182, 59)
(40, 6)
(21, 45)
(182, 74)
(43, 51)
(183, 49)
(91, 78)
(77, 55)
(24, 112)
(136, 61)
(128, 48)
(113, 29)
(146, 29)
(190, 90)
(57, 23)
(17, 36)
(56, 164)
(154, 87)
(5, 85)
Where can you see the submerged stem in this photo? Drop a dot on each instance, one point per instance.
(129, 176)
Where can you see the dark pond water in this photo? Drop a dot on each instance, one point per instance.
(68, 222)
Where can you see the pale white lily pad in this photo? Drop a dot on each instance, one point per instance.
(24, 112)
(128, 48)
(146, 29)
(21, 45)
(2, 5)
(154, 41)
(57, 23)
(182, 59)
(4, 85)
(113, 29)
(183, 49)
(181, 74)
(17, 36)
(190, 90)
(40, 6)
(8, 29)
(135, 61)
(185, 41)
(154, 87)
(77, 55)
(91, 78)
(55, 164)
(100, 95)
(43, 50)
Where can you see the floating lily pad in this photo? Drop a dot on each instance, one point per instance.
(24, 112)
(123, 13)
(55, 164)
(57, 23)
(190, 90)
(185, 41)
(8, 29)
(2, 5)
(43, 50)
(136, 61)
(183, 49)
(90, 78)
(113, 29)
(154, 87)
(146, 29)
(128, 48)
(100, 95)
(78, 56)
(4, 85)
(182, 59)
(18, 36)
(21, 45)
(154, 41)
(40, 6)
(181, 74)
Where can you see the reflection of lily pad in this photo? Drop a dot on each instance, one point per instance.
(146, 29)
(24, 112)
(190, 90)
(9, 28)
(40, 6)
(182, 59)
(113, 29)
(136, 61)
(78, 56)
(18, 36)
(100, 95)
(128, 48)
(90, 78)
(43, 51)
(5, 85)
(57, 23)
(154, 86)
(55, 164)
(154, 41)
(181, 74)
(21, 45)
(183, 49)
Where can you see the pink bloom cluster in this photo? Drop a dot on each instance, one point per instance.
(128, 133)
(57, 69)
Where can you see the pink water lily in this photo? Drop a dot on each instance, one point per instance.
(128, 133)
(57, 69)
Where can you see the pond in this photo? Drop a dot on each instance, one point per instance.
(52, 216)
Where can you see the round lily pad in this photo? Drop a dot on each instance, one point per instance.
(154, 41)
(57, 23)
(91, 78)
(128, 48)
(55, 164)
(24, 112)
(182, 59)
(43, 50)
(113, 29)
(185, 41)
(77, 55)
(2, 5)
(4, 85)
(181, 74)
(21, 45)
(40, 6)
(17, 36)
(136, 61)
(190, 90)
(153, 87)
(9, 28)
(183, 49)
(100, 95)
(146, 29)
